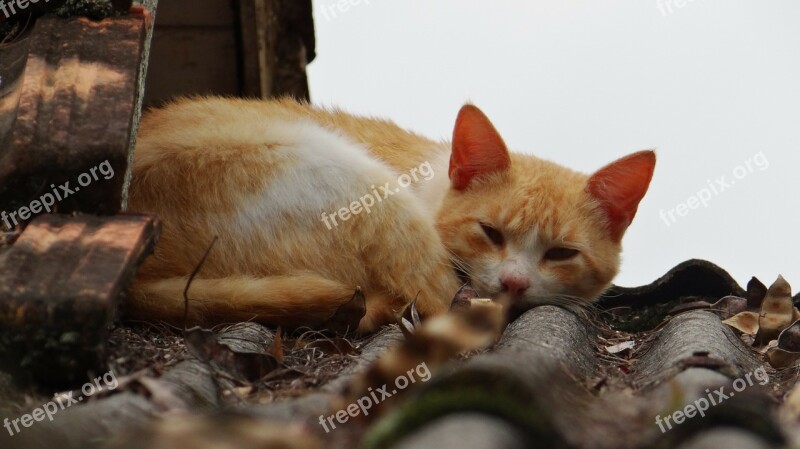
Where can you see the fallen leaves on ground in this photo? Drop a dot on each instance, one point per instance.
(774, 326)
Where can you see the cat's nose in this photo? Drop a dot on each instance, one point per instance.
(515, 285)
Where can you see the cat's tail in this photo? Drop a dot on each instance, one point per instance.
(288, 301)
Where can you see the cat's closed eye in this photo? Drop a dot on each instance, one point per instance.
(558, 254)
(494, 235)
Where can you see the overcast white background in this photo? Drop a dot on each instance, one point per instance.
(583, 82)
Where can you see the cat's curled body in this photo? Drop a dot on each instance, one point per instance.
(280, 182)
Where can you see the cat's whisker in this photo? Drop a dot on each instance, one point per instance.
(459, 263)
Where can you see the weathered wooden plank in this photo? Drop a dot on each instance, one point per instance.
(60, 285)
(295, 48)
(194, 51)
(191, 13)
(258, 20)
(277, 43)
(76, 111)
(188, 61)
(253, 48)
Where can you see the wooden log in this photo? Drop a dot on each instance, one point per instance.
(530, 380)
(308, 408)
(688, 334)
(189, 384)
(76, 111)
(60, 285)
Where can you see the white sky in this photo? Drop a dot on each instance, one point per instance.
(583, 82)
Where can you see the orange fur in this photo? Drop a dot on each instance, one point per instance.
(253, 174)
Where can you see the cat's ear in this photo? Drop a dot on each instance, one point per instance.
(620, 186)
(478, 148)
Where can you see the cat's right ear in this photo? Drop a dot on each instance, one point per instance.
(478, 148)
(620, 186)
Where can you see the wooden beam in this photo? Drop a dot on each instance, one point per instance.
(277, 43)
(60, 286)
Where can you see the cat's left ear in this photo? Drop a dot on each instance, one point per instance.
(620, 186)
(478, 148)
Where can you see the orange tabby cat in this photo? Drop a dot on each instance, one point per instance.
(310, 203)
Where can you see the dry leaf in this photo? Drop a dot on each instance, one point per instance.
(463, 298)
(777, 311)
(729, 306)
(477, 328)
(244, 366)
(348, 316)
(789, 339)
(786, 349)
(410, 320)
(616, 349)
(756, 291)
(780, 358)
(744, 322)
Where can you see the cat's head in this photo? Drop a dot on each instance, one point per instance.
(522, 226)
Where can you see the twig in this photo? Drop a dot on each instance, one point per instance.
(189, 282)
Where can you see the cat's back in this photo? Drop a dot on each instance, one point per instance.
(233, 125)
(223, 126)
(222, 148)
